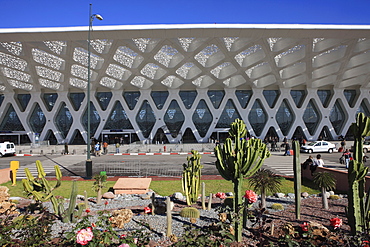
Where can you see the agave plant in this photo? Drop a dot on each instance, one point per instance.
(265, 181)
(325, 181)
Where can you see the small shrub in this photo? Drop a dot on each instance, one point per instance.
(334, 197)
(277, 206)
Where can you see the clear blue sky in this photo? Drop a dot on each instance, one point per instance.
(64, 13)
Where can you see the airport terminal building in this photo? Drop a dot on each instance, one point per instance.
(182, 83)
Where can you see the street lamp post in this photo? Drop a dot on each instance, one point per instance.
(88, 158)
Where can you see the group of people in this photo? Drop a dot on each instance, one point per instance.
(98, 146)
(313, 163)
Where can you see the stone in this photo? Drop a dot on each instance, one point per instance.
(291, 195)
(331, 193)
(178, 196)
(280, 195)
(132, 185)
(109, 195)
(304, 194)
(229, 194)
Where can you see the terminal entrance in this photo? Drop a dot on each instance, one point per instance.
(122, 137)
(219, 136)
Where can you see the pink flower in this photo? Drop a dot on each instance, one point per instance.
(84, 236)
(335, 222)
(305, 226)
(221, 195)
(147, 210)
(250, 196)
(124, 245)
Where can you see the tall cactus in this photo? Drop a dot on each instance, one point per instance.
(238, 159)
(191, 177)
(42, 190)
(297, 179)
(357, 213)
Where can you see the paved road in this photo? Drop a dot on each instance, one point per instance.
(147, 165)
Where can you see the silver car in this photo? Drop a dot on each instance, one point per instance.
(318, 146)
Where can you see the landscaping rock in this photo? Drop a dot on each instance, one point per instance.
(108, 195)
(178, 196)
(305, 194)
(280, 195)
(291, 195)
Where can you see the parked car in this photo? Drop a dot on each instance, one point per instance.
(7, 148)
(318, 146)
(366, 147)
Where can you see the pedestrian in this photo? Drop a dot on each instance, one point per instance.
(318, 161)
(342, 145)
(105, 147)
(308, 162)
(287, 149)
(347, 157)
(117, 147)
(97, 149)
(66, 148)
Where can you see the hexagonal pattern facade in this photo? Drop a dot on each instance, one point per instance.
(176, 83)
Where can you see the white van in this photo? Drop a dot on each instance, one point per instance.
(7, 148)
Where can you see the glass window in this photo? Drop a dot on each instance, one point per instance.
(216, 97)
(11, 121)
(37, 120)
(23, 100)
(257, 117)
(285, 117)
(103, 99)
(228, 116)
(363, 108)
(324, 96)
(174, 118)
(131, 99)
(188, 98)
(49, 100)
(1, 99)
(76, 100)
(271, 96)
(64, 120)
(298, 96)
(118, 119)
(337, 117)
(202, 118)
(94, 119)
(159, 98)
(350, 97)
(311, 117)
(243, 96)
(145, 119)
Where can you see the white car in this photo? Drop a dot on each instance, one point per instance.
(7, 148)
(318, 146)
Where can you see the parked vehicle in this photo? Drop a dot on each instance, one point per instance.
(366, 147)
(318, 146)
(7, 148)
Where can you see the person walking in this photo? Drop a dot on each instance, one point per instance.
(105, 147)
(347, 157)
(97, 149)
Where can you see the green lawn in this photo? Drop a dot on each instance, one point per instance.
(164, 188)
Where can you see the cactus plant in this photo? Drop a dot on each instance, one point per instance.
(99, 184)
(238, 159)
(203, 196)
(210, 202)
(42, 190)
(169, 217)
(357, 208)
(191, 177)
(190, 212)
(297, 179)
(277, 206)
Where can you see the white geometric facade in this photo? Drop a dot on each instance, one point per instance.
(173, 83)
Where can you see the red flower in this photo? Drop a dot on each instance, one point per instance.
(305, 226)
(147, 210)
(123, 236)
(93, 224)
(250, 196)
(335, 222)
(88, 211)
(221, 195)
(106, 202)
(365, 243)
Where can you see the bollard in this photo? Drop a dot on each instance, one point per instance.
(164, 148)
(128, 151)
(41, 152)
(149, 151)
(74, 151)
(160, 150)
(52, 151)
(20, 151)
(30, 151)
(85, 151)
(170, 150)
(181, 150)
